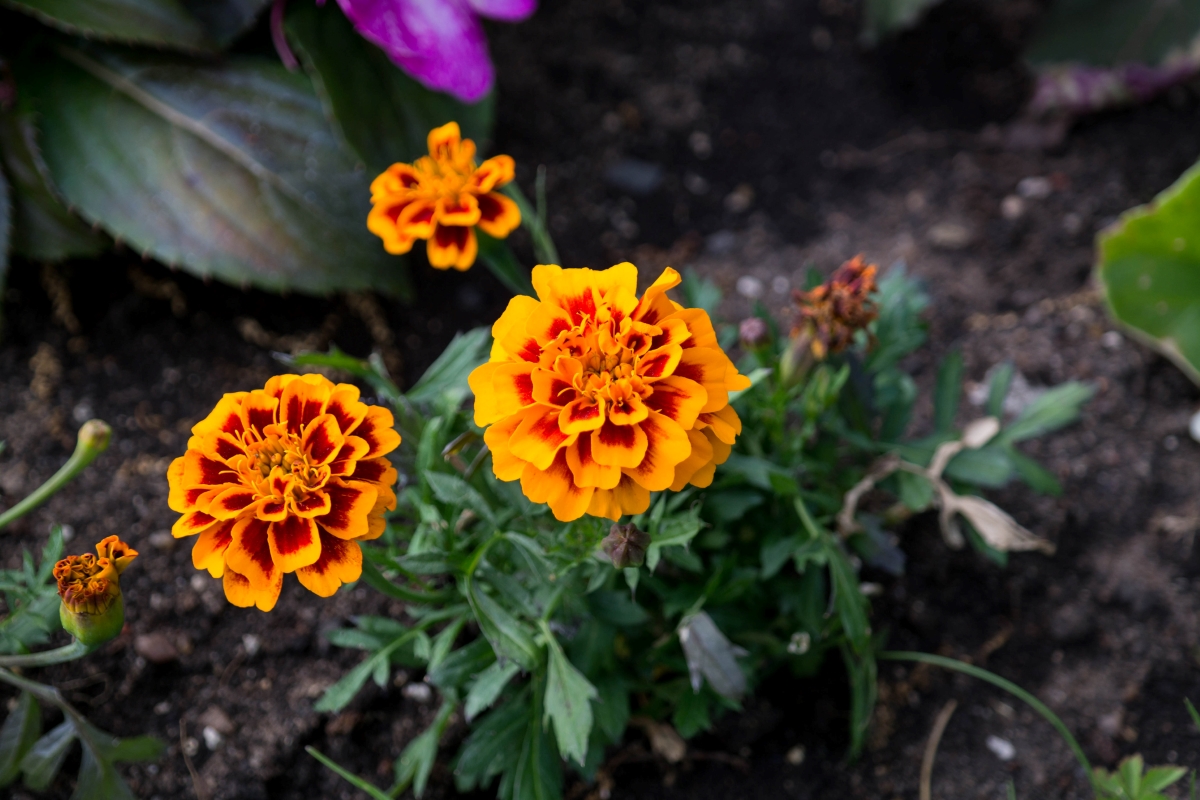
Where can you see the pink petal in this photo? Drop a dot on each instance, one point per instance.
(504, 10)
(438, 42)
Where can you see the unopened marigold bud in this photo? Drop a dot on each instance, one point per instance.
(834, 312)
(754, 333)
(92, 608)
(626, 546)
(95, 434)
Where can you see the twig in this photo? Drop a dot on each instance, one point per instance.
(931, 747)
(197, 786)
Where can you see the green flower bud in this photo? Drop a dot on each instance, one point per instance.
(93, 610)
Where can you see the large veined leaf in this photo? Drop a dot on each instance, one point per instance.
(225, 20)
(1112, 32)
(1150, 272)
(158, 22)
(884, 17)
(228, 170)
(42, 227)
(380, 111)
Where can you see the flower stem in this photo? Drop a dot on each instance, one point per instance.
(1006, 685)
(93, 440)
(70, 652)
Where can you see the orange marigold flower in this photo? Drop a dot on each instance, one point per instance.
(833, 312)
(595, 398)
(442, 198)
(287, 478)
(92, 609)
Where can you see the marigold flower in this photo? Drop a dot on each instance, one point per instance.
(442, 198)
(287, 478)
(594, 398)
(832, 313)
(92, 608)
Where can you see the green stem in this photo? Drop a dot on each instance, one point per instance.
(59, 655)
(375, 579)
(1006, 685)
(504, 265)
(48, 694)
(93, 440)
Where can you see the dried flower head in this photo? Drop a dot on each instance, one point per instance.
(287, 478)
(442, 198)
(832, 313)
(92, 609)
(594, 398)
(626, 546)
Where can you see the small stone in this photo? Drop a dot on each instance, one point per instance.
(634, 176)
(1002, 748)
(155, 648)
(1012, 207)
(1071, 623)
(418, 692)
(1194, 426)
(251, 644)
(949, 236)
(191, 746)
(162, 540)
(753, 333)
(795, 756)
(1035, 187)
(215, 718)
(780, 284)
(1111, 339)
(721, 243)
(162, 708)
(740, 199)
(212, 738)
(199, 581)
(701, 144)
(695, 183)
(750, 287)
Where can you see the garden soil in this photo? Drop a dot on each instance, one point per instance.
(747, 140)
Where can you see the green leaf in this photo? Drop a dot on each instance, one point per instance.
(98, 779)
(488, 686)
(775, 553)
(462, 665)
(508, 637)
(43, 760)
(998, 389)
(863, 693)
(416, 761)
(882, 18)
(612, 707)
(164, 23)
(447, 376)
(498, 258)
(849, 601)
(568, 702)
(537, 775)
(1038, 477)
(455, 491)
(1150, 272)
(986, 466)
(490, 748)
(226, 20)
(1052, 410)
(1193, 713)
(339, 694)
(691, 713)
(947, 392)
(700, 292)
(347, 776)
(136, 748)
(1113, 32)
(616, 608)
(382, 113)
(21, 729)
(916, 492)
(235, 173)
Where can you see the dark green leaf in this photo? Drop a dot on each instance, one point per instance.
(498, 258)
(490, 749)
(157, 22)
(916, 492)
(1038, 477)
(730, 506)
(416, 762)
(346, 775)
(863, 693)
(986, 466)
(462, 665)
(775, 553)
(998, 388)
(700, 292)
(136, 748)
(1114, 32)
(99, 780)
(882, 18)
(691, 713)
(612, 707)
(235, 173)
(447, 376)
(43, 760)
(455, 491)
(1052, 410)
(616, 608)
(947, 392)
(21, 729)
(381, 112)
(849, 601)
(225, 20)
(508, 637)
(43, 228)
(339, 694)
(488, 686)
(568, 703)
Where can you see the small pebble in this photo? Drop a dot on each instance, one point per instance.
(155, 648)
(634, 176)
(1035, 187)
(199, 581)
(721, 243)
(949, 236)
(740, 199)
(795, 756)
(419, 692)
(780, 284)
(1002, 748)
(162, 708)
(251, 644)
(162, 540)
(1194, 426)
(701, 144)
(191, 746)
(1012, 207)
(212, 738)
(68, 533)
(695, 183)
(749, 286)
(214, 717)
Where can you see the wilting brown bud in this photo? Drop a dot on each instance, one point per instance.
(626, 546)
(754, 333)
(832, 313)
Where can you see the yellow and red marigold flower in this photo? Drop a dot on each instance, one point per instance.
(832, 313)
(92, 609)
(442, 198)
(594, 398)
(287, 478)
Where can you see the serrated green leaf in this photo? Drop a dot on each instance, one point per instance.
(488, 686)
(41, 762)
(416, 762)
(1150, 272)
(99, 780)
(348, 776)
(489, 750)
(341, 693)
(448, 374)
(21, 729)
(462, 665)
(612, 707)
(236, 173)
(691, 713)
(382, 113)
(1052, 410)
(568, 703)
(164, 23)
(1113, 32)
(508, 637)
(457, 492)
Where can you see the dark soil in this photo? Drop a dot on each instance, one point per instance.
(745, 139)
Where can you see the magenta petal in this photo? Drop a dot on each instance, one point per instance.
(438, 42)
(504, 10)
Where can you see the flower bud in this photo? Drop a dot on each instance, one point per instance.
(92, 608)
(95, 435)
(626, 546)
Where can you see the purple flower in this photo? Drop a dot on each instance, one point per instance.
(439, 42)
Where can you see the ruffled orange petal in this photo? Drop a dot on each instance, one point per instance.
(538, 438)
(340, 563)
(452, 246)
(351, 503)
(678, 399)
(294, 543)
(242, 593)
(459, 211)
(249, 553)
(498, 215)
(619, 445)
(209, 550)
(668, 445)
(686, 470)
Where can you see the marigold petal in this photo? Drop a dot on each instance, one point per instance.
(706, 367)
(619, 445)
(259, 410)
(416, 220)
(346, 460)
(322, 440)
(572, 290)
(701, 455)
(581, 415)
(655, 304)
(294, 543)
(498, 215)
(231, 502)
(249, 553)
(445, 140)
(452, 246)
(538, 438)
(303, 400)
(586, 470)
(701, 332)
(550, 388)
(512, 387)
(627, 498)
(312, 504)
(242, 593)
(191, 523)
(340, 563)
(351, 503)
(377, 471)
(556, 487)
(346, 408)
(462, 210)
(678, 399)
(378, 430)
(505, 465)
(725, 423)
(667, 445)
(209, 550)
(200, 470)
(226, 416)
(627, 410)
(492, 173)
(660, 363)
